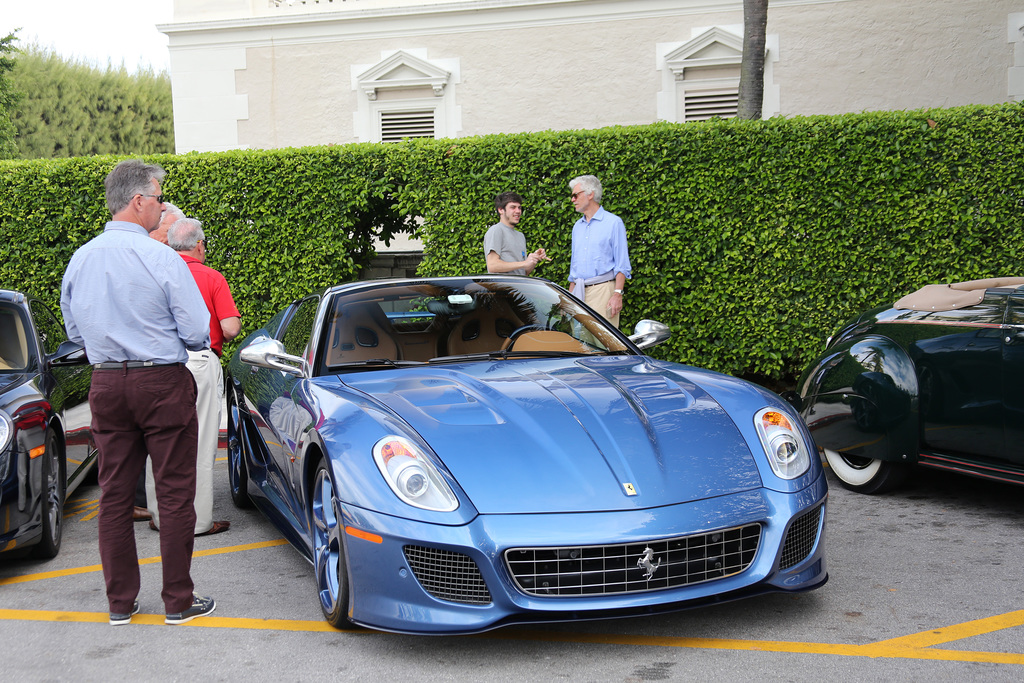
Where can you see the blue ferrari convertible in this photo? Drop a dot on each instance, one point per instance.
(458, 454)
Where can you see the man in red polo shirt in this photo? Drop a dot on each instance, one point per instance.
(186, 237)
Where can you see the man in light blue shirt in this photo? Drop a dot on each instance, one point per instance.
(600, 256)
(137, 309)
(111, 305)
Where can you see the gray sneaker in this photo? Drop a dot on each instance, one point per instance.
(200, 608)
(121, 618)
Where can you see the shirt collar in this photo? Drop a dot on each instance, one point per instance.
(126, 227)
(598, 215)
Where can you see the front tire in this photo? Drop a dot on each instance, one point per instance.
(329, 549)
(54, 489)
(865, 475)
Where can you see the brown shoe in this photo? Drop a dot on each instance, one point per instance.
(216, 528)
(153, 526)
(141, 514)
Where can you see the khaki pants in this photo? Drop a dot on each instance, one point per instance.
(598, 296)
(205, 368)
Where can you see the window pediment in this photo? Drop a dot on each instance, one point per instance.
(715, 47)
(403, 71)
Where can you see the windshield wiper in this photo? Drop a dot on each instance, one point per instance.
(505, 355)
(376, 362)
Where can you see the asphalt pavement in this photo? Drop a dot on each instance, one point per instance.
(924, 585)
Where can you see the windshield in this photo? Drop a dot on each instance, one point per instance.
(458, 320)
(14, 350)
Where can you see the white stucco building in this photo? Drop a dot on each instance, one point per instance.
(285, 73)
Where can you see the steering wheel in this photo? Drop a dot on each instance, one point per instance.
(519, 331)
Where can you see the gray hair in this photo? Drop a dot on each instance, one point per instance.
(172, 210)
(129, 178)
(590, 184)
(185, 234)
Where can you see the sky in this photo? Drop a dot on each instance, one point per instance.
(99, 32)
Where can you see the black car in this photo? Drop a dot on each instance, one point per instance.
(935, 380)
(47, 447)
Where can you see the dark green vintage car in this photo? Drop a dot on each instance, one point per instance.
(936, 381)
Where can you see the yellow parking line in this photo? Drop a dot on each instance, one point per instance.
(90, 508)
(148, 560)
(916, 646)
(880, 650)
(968, 629)
(872, 650)
(153, 619)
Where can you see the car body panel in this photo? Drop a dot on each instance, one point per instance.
(588, 447)
(659, 422)
(861, 397)
(39, 393)
(388, 597)
(938, 388)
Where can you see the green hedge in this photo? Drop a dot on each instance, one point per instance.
(279, 223)
(752, 239)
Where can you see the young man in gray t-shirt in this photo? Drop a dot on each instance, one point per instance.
(504, 246)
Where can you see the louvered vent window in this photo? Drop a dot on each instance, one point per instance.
(702, 105)
(395, 125)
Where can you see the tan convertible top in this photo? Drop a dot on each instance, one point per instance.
(956, 295)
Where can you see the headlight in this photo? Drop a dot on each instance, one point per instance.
(786, 450)
(6, 447)
(6, 430)
(412, 476)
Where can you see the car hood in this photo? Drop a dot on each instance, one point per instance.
(570, 435)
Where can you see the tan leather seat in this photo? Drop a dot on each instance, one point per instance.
(361, 331)
(481, 331)
(13, 343)
(548, 340)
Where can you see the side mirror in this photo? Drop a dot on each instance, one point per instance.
(648, 333)
(69, 353)
(270, 353)
(794, 399)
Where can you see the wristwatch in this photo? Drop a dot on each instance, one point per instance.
(617, 291)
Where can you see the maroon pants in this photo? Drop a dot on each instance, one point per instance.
(135, 412)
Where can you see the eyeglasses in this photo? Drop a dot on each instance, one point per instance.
(577, 194)
(202, 242)
(159, 197)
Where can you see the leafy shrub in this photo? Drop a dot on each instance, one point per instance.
(753, 240)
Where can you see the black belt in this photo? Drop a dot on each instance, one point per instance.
(129, 364)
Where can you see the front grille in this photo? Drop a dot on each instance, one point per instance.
(627, 568)
(800, 539)
(448, 575)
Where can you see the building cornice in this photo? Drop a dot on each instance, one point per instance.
(331, 25)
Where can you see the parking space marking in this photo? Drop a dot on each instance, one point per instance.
(142, 561)
(885, 649)
(917, 646)
(968, 629)
(88, 508)
(158, 619)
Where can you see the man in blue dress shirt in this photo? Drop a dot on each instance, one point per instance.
(600, 256)
(134, 305)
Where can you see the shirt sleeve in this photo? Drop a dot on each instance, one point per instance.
(620, 249)
(223, 303)
(74, 334)
(492, 242)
